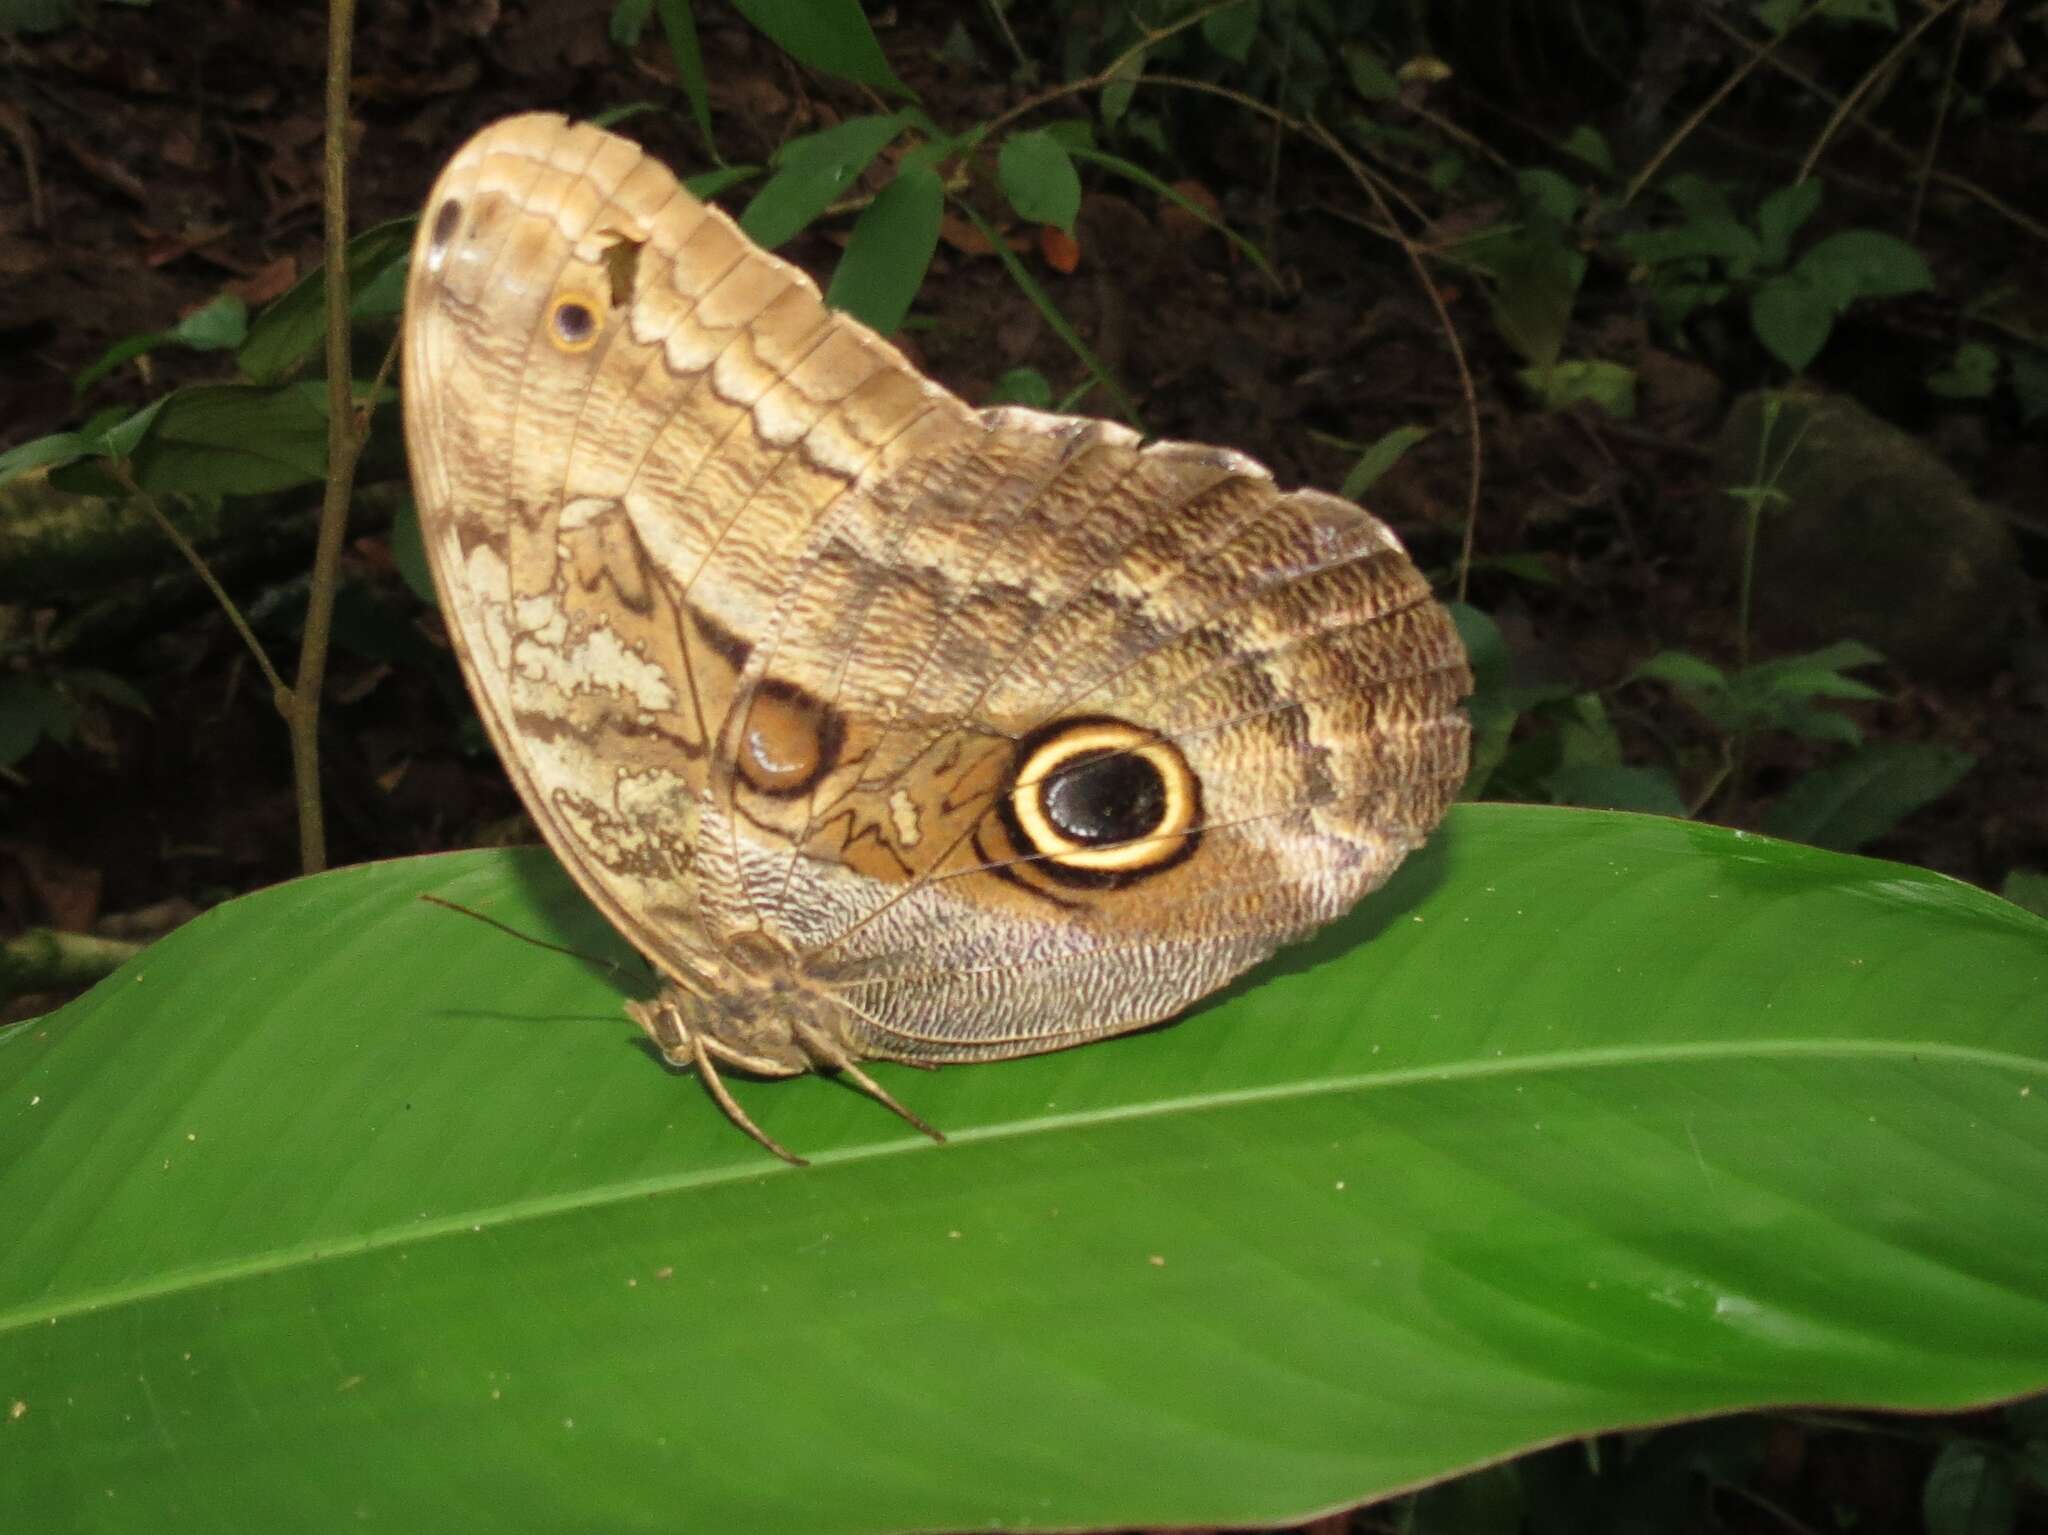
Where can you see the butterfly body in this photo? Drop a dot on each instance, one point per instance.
(885, 727)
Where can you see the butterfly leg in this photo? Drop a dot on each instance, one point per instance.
(704, 1051)
(829, 1054)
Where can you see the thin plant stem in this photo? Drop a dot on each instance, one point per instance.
(1416, 260)
(1948, 90)
(1776, 1510)
(1707, 108)
(1476, 456)
(1862, 87)
(2034, 228)
(280, 693)
(343, 445)
(1105, 76)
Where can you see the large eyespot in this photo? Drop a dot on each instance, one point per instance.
(573, 320)
(1101, 802)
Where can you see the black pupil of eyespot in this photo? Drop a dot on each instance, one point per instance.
(1104, 796)
(573, 322)
(446, 220)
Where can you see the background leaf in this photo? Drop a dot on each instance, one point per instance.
(1038, 177)
(1230, 31)
(1864, 795)
(1864, 263)
(890, 249)
(832, 35)
(1792, 318)
(811, 172)
(291, 330)
(334, 1207)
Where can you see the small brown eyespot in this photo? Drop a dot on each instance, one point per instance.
(1101, 802)
(573, 321)
(789, 742)
(445, 221)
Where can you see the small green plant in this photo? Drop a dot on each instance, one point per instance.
(58, 704)
(1712, 253)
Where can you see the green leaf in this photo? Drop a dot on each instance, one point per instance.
(105, 685)
(1549, 194)
(109, 434)
(1536, 279)
(1123, 85)
(1970, 375)
(679, 26)
(1783, 680)
(1777, 15)
(828, 35)
(1589, 144)
(42, 452)
(1368, 73)
(1609, 385)
(30, 710)
(628, 21)
(234, 439)
(1022, 386)
(1037, 176)
(294, 328)
(1840, 656)
(1792, 318)
(1530, 567)
(1781, 216)
(889, 250)
(2030, 385)
(1814, 672)
(1379, 458)
(1230, 31)
(1859, 799)
(1722, 238)
(1803, 720)
(1683, 670)
(1864, 263)
(1970, 1490)
(214, 327)
(812, 172)
(709, 184)
(333, 1208)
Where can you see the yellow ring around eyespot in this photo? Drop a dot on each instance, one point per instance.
(1155, 846)
(590, 304)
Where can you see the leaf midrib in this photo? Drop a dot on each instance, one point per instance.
(200, 1276)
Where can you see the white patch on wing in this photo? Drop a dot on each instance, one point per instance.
(598, 661)
(903, 811)
(655, 795)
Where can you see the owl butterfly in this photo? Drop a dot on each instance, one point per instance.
(886, 728)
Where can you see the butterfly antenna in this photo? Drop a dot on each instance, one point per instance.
(833, 1058)
(539, 943)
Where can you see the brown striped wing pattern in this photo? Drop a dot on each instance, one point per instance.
(884, 727)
